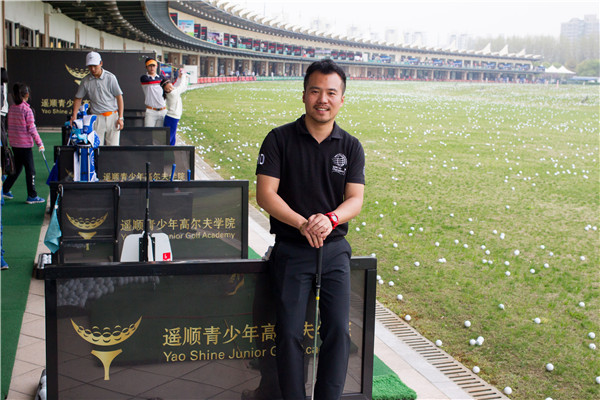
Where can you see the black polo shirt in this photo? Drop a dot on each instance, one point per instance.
(312, 176)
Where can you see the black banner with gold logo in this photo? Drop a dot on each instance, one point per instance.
(54, 76)
(202, 219)
(183, 330)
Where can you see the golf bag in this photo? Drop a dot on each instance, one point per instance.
(84, 138)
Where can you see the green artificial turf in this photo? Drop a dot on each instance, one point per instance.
(387, 385)
(22, 223)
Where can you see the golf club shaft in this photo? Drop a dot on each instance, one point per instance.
(46, 162)
(317, 298)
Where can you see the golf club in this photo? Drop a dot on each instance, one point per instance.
(317, 297)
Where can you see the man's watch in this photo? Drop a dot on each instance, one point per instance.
(333, 218)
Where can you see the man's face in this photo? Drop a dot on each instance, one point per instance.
(95, 70)
(151, 68)
(323, 97)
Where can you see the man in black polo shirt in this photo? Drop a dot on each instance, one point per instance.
(310, 179)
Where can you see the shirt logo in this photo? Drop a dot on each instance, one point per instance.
(261, 159)
(339, 163)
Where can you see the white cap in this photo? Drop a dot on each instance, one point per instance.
(92, 58)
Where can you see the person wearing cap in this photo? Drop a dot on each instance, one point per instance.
(106, 98)
(156, 108)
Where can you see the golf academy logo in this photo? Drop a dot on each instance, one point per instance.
(78, 73)
(87, 224)
(106, 337)
(339, 163)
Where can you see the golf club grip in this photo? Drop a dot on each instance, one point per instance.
(173, 171)
(319, 267)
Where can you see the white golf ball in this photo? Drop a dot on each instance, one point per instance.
(592, 335)
(480, 340)
(501, 306)
(391, 283)
(396, 268)
(357, 229)
(517, 252)
(395, 244)
(537, 320)
(506, 263)
(507, 391)
(582, 258)
(407, 317)
(364, 224)
(438, 343)
(437, 244)
(592, 346)
(549, 367)
(495, 232)
(380, 215)
(507, 273)
(546, 265)
(542, 247)
(476, 369)
(581, 304)
(417, 263)
(381, 282)
(378, 277)
(472, 342)
(598, 380)
(380, 236)
(532, 271)
(399, 297)
(467, 324)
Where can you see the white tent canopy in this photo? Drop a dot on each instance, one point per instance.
(562, 70)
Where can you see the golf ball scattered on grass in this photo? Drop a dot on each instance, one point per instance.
(467, 324)
(438, 343)
(476, 369)
(472, 342)
(581, 304)
(598, 380)
(549, 367)
(396, 268)
(592, 335)
(407, 317)
(501, 306)
(537, 320)
(400, 297)
(592, 346)
(507, 391)
(391, 283)
(516, 252)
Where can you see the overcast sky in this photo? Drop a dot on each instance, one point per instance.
(436, 17)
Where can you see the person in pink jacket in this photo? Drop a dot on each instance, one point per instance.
(22, 133)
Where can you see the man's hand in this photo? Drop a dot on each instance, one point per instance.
(120, 124)
(316, 229)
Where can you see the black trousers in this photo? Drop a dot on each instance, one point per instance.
(23, 158)
(293, 269)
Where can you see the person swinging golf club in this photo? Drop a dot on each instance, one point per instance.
(310, 179)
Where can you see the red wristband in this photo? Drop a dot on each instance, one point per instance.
(333, 218)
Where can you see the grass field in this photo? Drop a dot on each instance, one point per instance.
(477, 195)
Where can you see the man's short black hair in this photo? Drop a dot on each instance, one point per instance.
(325, 67)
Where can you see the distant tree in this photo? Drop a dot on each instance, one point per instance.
(589, 68)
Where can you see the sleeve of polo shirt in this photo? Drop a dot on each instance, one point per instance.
(356, 165)
(115, 89)
(269, 157)
(81, 92)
